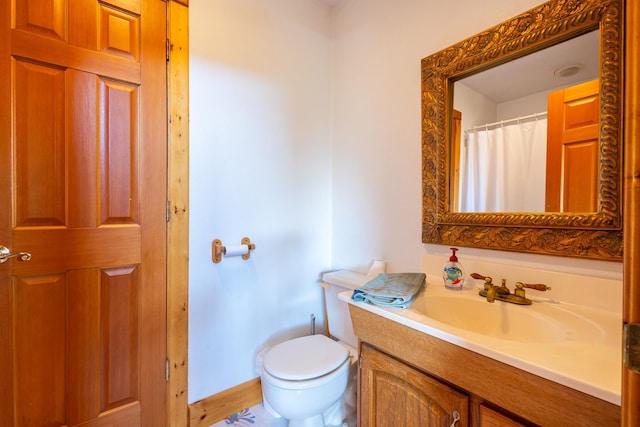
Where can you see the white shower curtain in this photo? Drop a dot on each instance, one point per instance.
(504, 169)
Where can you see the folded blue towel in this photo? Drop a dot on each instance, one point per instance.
(396, 290)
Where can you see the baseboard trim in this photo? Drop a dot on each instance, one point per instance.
(214, 408)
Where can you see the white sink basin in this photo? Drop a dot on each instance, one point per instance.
(540, 322)
(572, 344)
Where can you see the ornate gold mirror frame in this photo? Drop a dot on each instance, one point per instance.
(593, 235)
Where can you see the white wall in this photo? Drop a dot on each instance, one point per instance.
(316, 115)
(377, 179)
(527, 105)
(377, 201)
(476, 108)
(260, 167)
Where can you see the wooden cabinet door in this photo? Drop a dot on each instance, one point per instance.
(394, 394)
(573, 154)
(491, 418)
(83, 151)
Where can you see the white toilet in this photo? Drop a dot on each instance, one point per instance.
(311, 380)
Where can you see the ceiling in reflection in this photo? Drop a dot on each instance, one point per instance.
(536, 71)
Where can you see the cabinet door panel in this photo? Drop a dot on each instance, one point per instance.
(393, 393)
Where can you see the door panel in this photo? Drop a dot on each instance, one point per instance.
(119, 338)
(40, 331)
(119, 32)
(44, 18)
(580, 187)
(118, 107)
(83, 323)
(39, 144)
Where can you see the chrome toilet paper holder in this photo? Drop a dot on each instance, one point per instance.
(218, 250)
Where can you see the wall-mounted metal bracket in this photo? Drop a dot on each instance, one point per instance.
(217, 250)
(631, 350)
(250, 246)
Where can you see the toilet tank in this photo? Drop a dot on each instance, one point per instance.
(338, 318)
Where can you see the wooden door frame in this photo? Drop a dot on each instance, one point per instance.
(631, 188)
(178, 214)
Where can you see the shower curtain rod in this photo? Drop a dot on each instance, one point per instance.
(502, 122)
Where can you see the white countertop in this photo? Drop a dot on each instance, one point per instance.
(592, 366)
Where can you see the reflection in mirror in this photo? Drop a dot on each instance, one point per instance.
(511, 152)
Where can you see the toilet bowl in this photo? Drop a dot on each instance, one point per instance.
(304, 377)
(311, 380)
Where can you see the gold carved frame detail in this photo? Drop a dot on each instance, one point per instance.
(593, 235)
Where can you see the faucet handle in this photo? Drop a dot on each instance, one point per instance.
(537, 286)
(519, 290)
(488, 284)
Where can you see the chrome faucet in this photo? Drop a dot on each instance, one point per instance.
(492, 292)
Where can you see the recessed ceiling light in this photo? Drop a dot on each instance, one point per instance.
(568, 70)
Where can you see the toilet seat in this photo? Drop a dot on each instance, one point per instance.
(305, 358)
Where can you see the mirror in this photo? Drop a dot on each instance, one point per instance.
(507, 114)
(581, 232)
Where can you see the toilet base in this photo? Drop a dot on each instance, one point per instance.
(315, 421)
(341, 413)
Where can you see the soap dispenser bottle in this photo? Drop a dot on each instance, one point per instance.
(453, 273)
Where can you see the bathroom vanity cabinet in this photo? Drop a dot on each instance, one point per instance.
(394, 393)
(408, 377)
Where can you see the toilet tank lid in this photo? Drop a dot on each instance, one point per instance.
(305, 358)
(346, 278)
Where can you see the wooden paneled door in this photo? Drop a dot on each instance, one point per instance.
(573, 157)
(83, 155)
